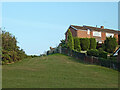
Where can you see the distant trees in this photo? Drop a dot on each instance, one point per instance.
(70, 41)
(10, 51)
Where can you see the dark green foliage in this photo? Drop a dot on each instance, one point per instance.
(63, 44)
(103, 54)
(100, 49)
(48, 52)
(110, 44)
(93, 52)
(77, 46)
(70, 41)
(93, 43)
(10, 50)
(97, 53)
(85, 43)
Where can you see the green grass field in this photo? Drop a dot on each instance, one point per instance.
(57, 71)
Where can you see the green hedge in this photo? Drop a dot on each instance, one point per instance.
(85, 43)
(93, 43)
(93, 52)
(77, 46)
(103, 54)
(96, 53)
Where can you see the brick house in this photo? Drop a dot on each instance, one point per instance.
(99, 34)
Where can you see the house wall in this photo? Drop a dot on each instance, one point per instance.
(103, 37)
(74, 33)
(83, 34)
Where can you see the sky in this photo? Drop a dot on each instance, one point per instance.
(39, 25)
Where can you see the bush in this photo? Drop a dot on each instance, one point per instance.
(85, 43)
(100, 49)
(70, 41)
(93, 43)
(103, 54)
(96, 53)
(110, 44)
(104, 62)
(63, 44)
(3, 63)
(77, 46)
(93, 52)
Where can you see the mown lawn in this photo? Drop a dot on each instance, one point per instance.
(57, 71)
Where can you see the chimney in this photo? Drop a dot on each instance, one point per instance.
(102, 27)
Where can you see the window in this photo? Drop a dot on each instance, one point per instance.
(109, 34)
(96, 33)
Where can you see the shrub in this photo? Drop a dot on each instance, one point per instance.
(63, 44)
(85, 43)
(103, 54)
(93, 43)
(100, 49)
(93, 52)
(3, 63)
(110, 44)
(10, 61)
(77, 46)
(70, 41)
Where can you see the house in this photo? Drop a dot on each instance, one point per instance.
(99, 34)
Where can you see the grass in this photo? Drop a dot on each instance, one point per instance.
(57, 71)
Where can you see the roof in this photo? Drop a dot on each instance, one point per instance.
(94, 28)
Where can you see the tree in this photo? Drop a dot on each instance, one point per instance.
(85, 43)
(93, 43)
(10, 51)
(63, 44)
(70, 42)
(110, 44)
(77, 46)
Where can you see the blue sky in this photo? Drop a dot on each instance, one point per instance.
(39, 25)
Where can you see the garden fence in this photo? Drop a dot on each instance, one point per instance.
(90, 59)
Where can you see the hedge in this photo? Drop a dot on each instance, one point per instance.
(85, 43)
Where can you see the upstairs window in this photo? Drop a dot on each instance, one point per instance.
(96, 33)
(109, 34)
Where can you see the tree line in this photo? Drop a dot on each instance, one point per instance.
(11, 52)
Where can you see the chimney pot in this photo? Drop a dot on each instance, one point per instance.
(102, 27)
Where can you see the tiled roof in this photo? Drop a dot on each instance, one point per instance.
(95, 29)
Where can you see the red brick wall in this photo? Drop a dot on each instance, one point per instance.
(82, 34)
(74, 33)
(103, 36)
(116, 36)
(91, 34)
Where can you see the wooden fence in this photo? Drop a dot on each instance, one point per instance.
(90, 59)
